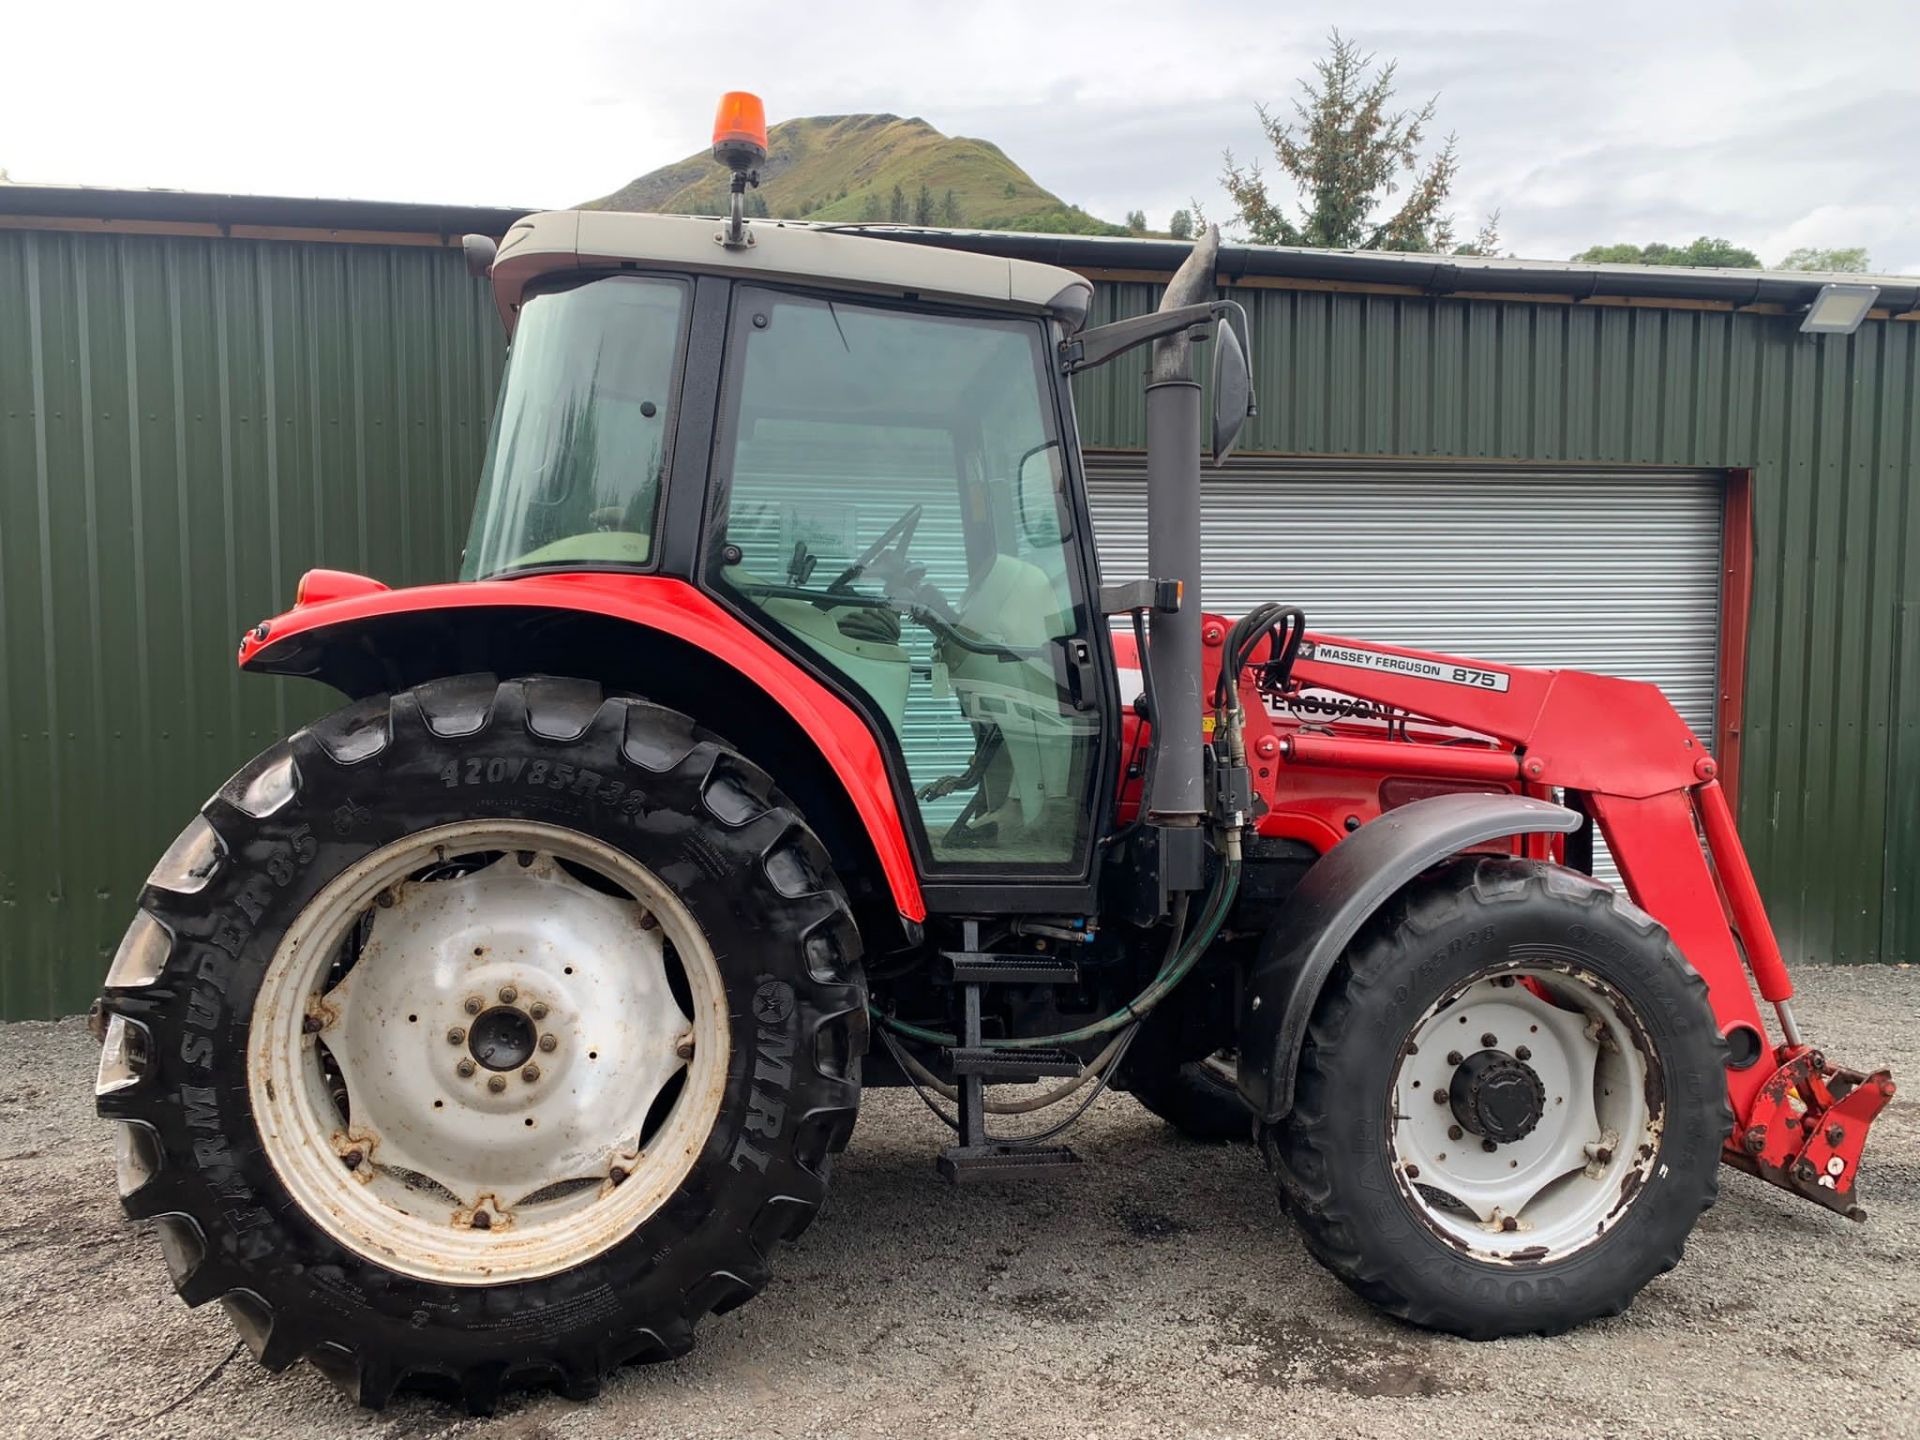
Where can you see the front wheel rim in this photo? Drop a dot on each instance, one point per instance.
(488, 1052)
(1525, 1112)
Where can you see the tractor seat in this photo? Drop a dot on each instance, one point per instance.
(1025, 783)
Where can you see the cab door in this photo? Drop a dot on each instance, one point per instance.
(891, 500)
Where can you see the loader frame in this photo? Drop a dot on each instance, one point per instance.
(1619, 755)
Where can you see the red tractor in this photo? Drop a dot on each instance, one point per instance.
(499, 1026)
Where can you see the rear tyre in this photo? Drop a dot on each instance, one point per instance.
(1199, 1098)
(1510, 1107)
(482, 1036)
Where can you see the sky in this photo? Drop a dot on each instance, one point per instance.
(1775, 125)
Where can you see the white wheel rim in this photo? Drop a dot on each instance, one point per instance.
(1563, 1184)
(450, 1163)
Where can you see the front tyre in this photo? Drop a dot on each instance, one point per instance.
(485, 1035)
(1510, 1107)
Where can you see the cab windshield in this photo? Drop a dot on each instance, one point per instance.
(580, 439)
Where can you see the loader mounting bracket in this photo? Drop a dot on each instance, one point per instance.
(1807, 1128)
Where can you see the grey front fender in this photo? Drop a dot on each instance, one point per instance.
(1344, 887)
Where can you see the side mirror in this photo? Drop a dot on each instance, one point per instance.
(1233, 398)
(479, 251)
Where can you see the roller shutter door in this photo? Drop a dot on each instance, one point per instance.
(1616, 571)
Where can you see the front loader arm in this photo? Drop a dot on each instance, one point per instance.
(1619, 752)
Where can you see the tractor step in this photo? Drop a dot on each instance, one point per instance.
(1013, 1067)
(973, 967)
(964, 1163)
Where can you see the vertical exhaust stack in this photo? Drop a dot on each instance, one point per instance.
(1177, 792)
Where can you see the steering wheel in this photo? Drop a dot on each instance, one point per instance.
(898, 534)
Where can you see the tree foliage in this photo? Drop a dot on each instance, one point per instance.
(1707, 251)
(1136, 222)
(1180, 226)
(1346, 154)
(950, 211)
(1850, 260)
(923, 207)
(897, 208)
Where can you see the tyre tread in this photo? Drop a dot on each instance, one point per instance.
(1301, 1151)
(657, 741)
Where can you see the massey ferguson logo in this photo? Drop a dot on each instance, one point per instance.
(1417, 667)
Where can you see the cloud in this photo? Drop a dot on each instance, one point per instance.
(1770, 122)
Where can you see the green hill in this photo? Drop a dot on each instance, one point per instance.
(846, 168)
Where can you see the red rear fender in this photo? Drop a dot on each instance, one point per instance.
(364, 638)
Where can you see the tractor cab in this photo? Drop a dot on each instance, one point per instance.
(866, 451)
(885, 498)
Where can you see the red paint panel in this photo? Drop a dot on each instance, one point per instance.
(675, 608)
(1586, 732)
(1654, 844)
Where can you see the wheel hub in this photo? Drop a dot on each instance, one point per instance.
(1521, 1114)
(474, 1065)
(1496, 1096)
(503, 1038)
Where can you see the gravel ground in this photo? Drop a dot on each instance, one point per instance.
(1156, 1293)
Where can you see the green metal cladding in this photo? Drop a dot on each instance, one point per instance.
(187, 424)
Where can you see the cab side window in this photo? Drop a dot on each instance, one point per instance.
(874, 511)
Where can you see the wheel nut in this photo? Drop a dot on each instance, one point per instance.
(1454, 1132)
(683, 1047)
(1509, 1224)
(1454, 1057)
(1523, 1053)
(1439, 1097)
(312, 1025)
(1488, 1146)
(538, 1010)
(1412, 1171)
(474, 1005)
(547, 1043)
(530, 1074)
(352, 1159)
(496, 1083)
(464, 1068)
(508, 994)
(617, 1174)
(456, 1035)
(482, 1220)
(1489, 1040)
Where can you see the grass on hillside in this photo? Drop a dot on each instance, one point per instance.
(845, 168)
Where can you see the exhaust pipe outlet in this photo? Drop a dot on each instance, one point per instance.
(1177, 791)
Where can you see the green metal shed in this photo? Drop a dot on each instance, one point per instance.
(203, 396)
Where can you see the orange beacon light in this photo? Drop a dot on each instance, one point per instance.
(740, 131)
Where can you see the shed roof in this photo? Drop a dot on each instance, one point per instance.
(254, 216)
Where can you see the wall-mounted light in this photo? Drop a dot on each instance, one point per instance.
(1839, 308)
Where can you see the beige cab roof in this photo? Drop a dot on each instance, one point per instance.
(559, 241)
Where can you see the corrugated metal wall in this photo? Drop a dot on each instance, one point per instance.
(1612, 570)
(1827, 425)
(185, 426)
